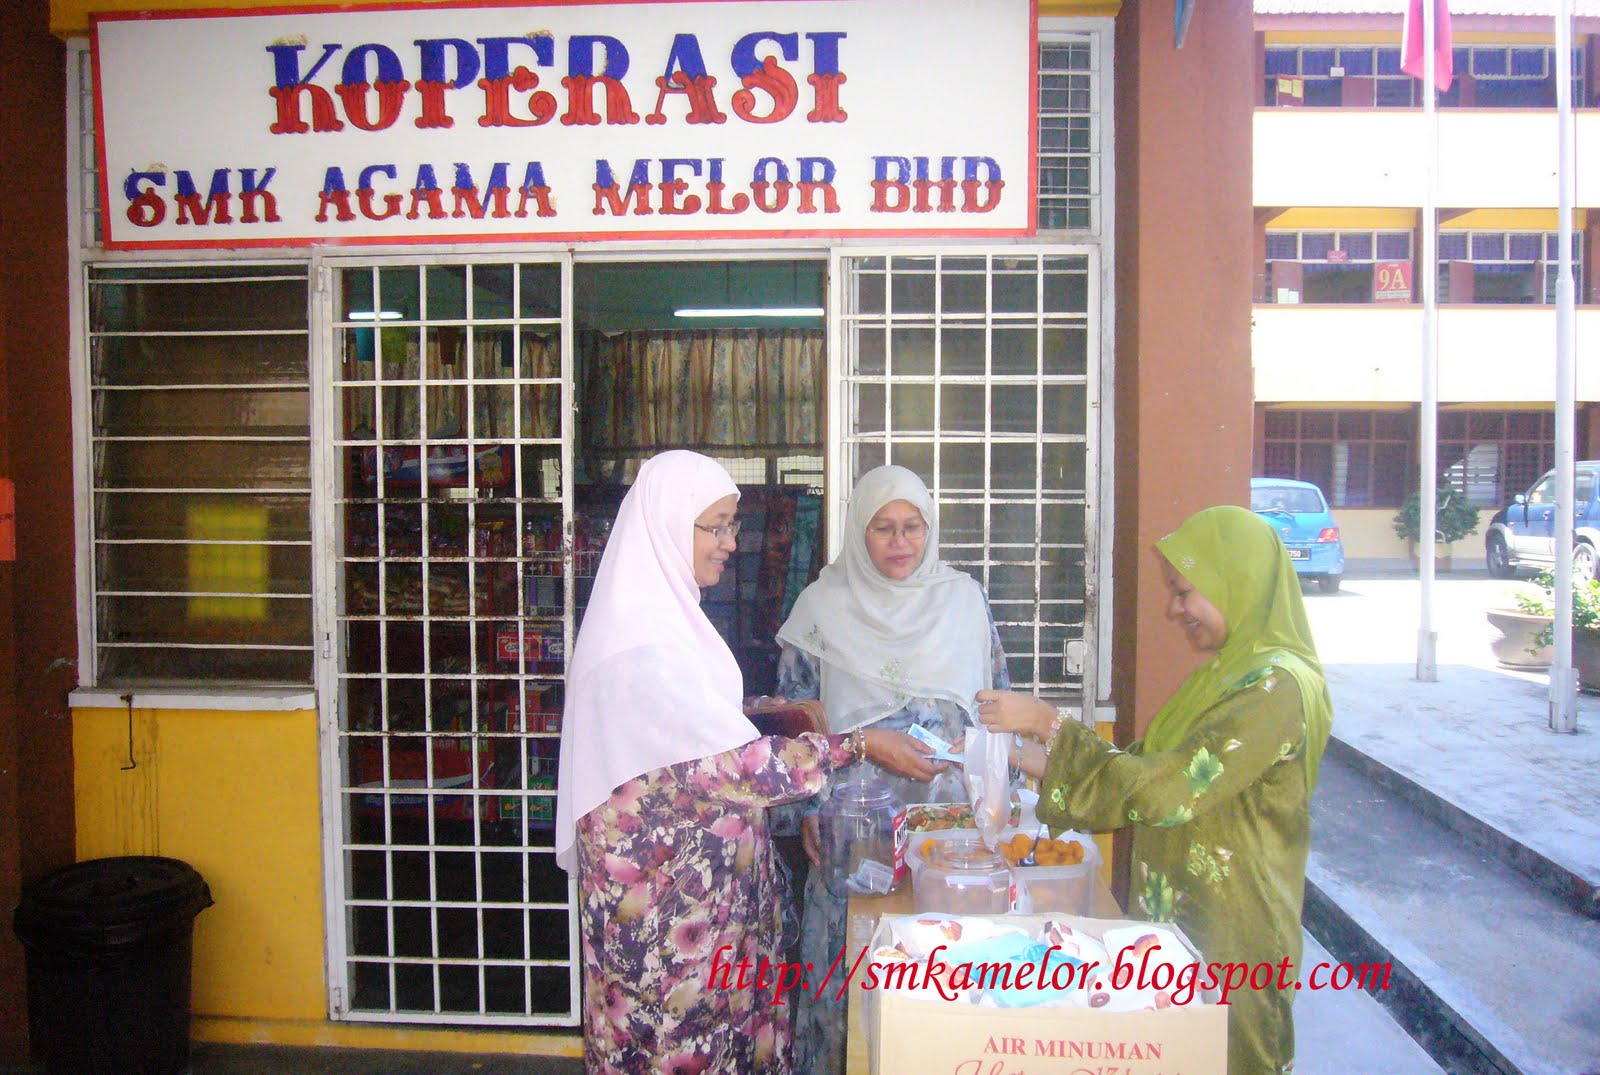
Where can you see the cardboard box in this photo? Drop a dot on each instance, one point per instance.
(919, 1034)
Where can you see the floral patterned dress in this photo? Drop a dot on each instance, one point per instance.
(1222, 825)
(676, 878)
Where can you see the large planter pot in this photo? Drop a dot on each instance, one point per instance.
(1513, 644)
(1443, 560)
(1586, 659)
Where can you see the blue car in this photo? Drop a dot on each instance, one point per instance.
(1523, 533)
(1299, 513)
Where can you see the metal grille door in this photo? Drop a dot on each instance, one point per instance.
(455, 599)
(980, 371)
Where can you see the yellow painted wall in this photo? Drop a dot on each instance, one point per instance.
(71, 17)
(1511, 220)
(1341, 217)
(1368, 534)
(1308, 218)
(1106, 730)
(235, 795)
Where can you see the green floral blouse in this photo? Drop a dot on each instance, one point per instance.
(1222, 825)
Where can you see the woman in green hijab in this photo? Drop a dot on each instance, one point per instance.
(1219, 789)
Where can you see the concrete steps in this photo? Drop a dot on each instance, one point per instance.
(1496, 967)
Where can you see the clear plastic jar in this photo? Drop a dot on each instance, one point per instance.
(863, 830)
(964, 878)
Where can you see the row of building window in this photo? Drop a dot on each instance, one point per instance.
(1366, 76)
(1368, 459)
(1357, 266)
(1396, 245)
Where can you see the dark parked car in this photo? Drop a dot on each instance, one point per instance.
(1299, 512)
(1523, 533)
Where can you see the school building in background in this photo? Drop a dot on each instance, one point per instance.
(1337, 322)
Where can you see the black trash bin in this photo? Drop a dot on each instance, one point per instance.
(110, 945)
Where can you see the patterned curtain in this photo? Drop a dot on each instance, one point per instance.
(732, 388)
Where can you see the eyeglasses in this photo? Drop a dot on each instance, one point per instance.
(911, 531)
(725, 532)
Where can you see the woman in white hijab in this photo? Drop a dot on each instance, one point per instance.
(889, 636)
(664, 785)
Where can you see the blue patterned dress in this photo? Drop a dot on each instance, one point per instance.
(820, 1021)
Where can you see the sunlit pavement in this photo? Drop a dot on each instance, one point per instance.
(1454, 833)
(1375, 620)
(1478, 736)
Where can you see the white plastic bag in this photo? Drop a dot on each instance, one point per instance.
(988, 772)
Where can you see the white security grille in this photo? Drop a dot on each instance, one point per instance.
(979, 371)
(454, 612)
(199, 438)
(1072, 149)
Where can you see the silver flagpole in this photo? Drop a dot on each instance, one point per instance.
(1427, 637)
(1563, 677)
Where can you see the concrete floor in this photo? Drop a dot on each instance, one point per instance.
(1456, 832)
(213, 1059)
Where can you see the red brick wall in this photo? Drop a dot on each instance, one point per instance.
(37, 617)
(1184, 268)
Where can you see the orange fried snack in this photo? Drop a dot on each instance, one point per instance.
(1050, 852)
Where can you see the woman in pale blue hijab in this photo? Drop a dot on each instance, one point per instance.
(889, 636)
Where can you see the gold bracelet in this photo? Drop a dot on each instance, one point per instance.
(858, 743)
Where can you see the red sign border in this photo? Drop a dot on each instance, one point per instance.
(1031, 229)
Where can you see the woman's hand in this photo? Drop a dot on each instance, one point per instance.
(811, 838)
(1031, 758)
(902, 755)
(1008, 711)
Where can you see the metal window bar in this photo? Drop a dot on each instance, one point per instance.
(1070, 133)
(1034, 572)
(167, 557)
(475, 966)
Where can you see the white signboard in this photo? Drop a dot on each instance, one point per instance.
(565, 122)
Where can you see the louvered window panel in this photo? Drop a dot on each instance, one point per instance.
(200, 446)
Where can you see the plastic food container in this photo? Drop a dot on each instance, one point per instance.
(921, 845)
(1067, 889)
(963, 877)
(862, 825)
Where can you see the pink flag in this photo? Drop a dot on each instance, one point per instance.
(1411, 44)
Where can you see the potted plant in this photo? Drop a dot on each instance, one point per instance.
(1453, 520)
(1517, 643)
(1585, 624)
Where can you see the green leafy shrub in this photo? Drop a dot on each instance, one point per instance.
(1453, 518)
(1542, 602)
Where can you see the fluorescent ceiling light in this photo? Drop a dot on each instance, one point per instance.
(749, 311)
(381, 315)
